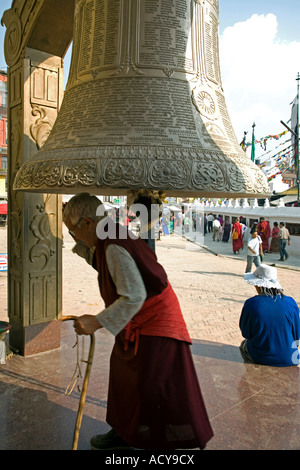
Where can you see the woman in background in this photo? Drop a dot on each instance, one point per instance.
(274, 246)
(237, 237)
(226, 231)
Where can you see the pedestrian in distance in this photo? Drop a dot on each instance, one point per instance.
(186, 223)
(210, 219)
(245, 230)
(284, 239)
(154, 398)
(269, 322)
(255, 251)
(220, 232)
(274, 246)
(226, 230)
(237, 237)
(216, 229)
(205, 224)
(264, 231)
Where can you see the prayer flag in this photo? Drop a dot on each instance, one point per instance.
(253, 145)
(295, 128)
(244, 143)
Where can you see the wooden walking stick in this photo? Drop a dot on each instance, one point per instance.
(84, 386)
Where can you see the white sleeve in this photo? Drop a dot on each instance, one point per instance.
(130, 288)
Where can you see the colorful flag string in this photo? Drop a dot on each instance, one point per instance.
(262, 141)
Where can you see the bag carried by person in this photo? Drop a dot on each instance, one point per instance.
(235, 235)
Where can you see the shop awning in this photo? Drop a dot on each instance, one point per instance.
(173, 208)
(289, 192)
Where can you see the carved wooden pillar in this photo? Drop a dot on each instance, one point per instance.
(35, 225)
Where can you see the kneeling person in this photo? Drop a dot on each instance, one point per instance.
(269, 322)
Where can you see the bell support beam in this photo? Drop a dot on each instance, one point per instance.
(35, 225)
(35, 220)
(38, 33)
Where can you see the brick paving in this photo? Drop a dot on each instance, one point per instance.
(211, 288)
(208, 281)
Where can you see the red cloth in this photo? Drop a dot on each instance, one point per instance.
(238, 243)
(274, 245)
(264, 231)
(160, 316)
(154, 398)
(275, 232)
(3, 209)
(161, 313)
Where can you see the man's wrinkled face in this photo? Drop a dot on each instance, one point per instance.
(83, 230)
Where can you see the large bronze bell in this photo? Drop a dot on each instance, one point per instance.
(144, 107)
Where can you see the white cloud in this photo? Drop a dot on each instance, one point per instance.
(258, 75)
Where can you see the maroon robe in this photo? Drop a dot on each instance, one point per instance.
(237, 243)
(264, 231)
(154, 398)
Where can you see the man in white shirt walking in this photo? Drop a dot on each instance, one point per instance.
(210, 219)
(216, 228)
(284, 238)
(254, 250)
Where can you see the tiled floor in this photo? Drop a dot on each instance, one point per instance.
(35, 413)
(250, 406)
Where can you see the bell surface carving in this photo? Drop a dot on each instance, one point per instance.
(144, 107)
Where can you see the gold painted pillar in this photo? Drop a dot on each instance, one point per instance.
(35, 88)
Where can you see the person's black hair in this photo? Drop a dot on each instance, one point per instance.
(272, 291)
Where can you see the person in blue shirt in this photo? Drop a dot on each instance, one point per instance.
(269, 322)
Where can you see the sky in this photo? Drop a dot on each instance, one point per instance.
(259, 58)
(260, 61)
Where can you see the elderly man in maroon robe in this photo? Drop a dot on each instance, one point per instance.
(154, 398)
(264, 231)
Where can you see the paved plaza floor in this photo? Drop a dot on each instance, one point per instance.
(251, 407)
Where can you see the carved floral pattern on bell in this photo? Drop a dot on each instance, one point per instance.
(144, 107)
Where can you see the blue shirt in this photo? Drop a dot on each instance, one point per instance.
(271, 326)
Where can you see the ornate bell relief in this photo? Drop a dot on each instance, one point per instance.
(13, 36)
(40, 227)
(41, 129)
(204, 103)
